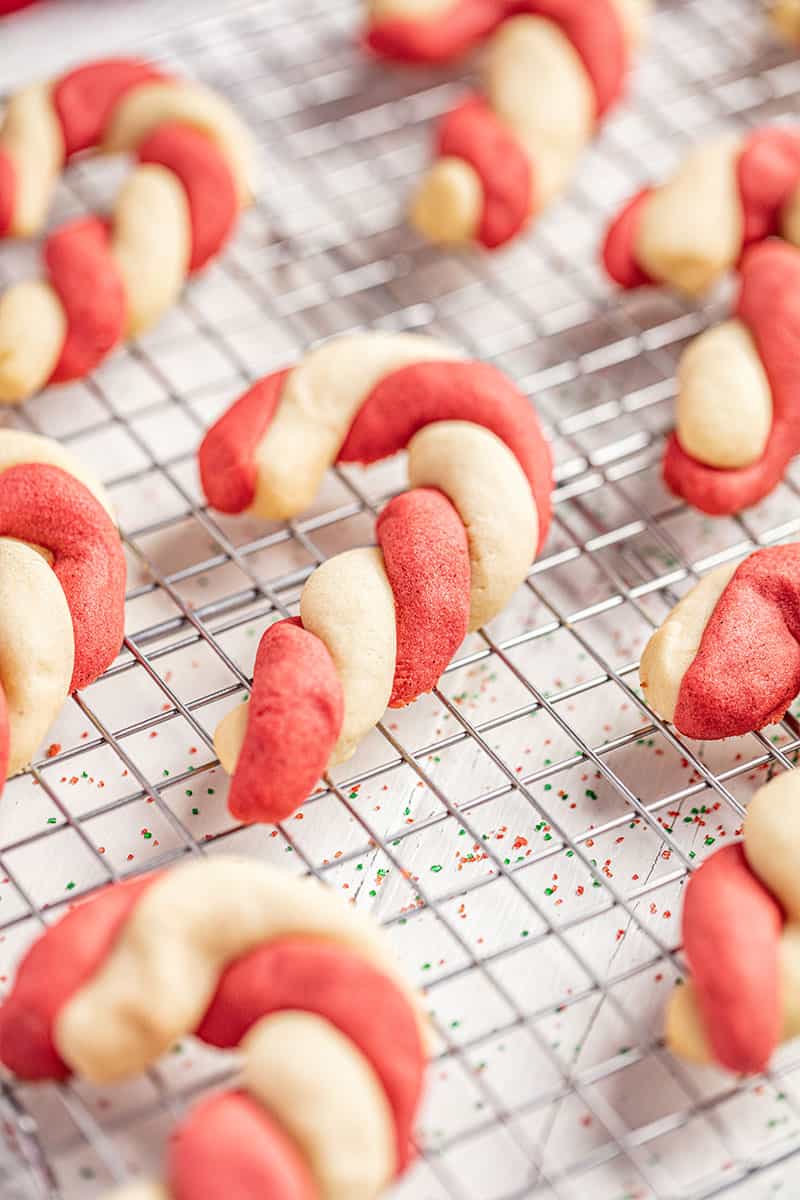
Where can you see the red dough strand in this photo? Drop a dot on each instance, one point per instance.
(85, 99)
(438, 39)
(45, 505)
(768, 173)
(8, 192)
(64, 958)
(295, 716)
(747, 669)
(426, 555)
(475, 133)
(83, 272)
(206, 178)
(408, 399)
(731, 934)
(619, 246)
(769, 304)
(593, 28)
(229, 1145)
(227, 453)
(297, 973)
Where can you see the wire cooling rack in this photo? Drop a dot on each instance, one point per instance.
(525, 832)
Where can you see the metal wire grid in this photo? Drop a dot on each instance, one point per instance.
(327, 250)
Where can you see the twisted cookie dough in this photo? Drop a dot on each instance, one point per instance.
(727, 659)
(112, 280)
(739, 391)
(726, 195)
(552, 70)
(377, 626)
(332, 1043)
(741, 935)
(62, 589)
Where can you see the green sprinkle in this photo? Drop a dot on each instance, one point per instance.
(436, 868)
(195, 812)
(70, 885)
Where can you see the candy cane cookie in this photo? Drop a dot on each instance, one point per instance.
(378, 625)
(552, 70)
(725, 196)
(332, 1041)
(62, 589)
(739, 391)
(727, 659)
(112, 279)
(741, 937)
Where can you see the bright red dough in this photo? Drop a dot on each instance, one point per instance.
(731, 935)
(406, 400)
(769, 304)
(426, 555)
(475, 133)
(358, 999)
(768, 172)
(619, 245)
(207, 180)
(229, 1146)
(593, 28)
(295, 716)
(59, 963)
(42, 504)
(438, 39)
(8, 192)
(226, 457)
(84, 274)
(746, 671)
(85, 98)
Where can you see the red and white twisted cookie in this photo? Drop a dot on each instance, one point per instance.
(738, 417)
(377, 626)
(725, 196)
(62, 589)
(553, 68)
(112, 279)
(727, 659)
(332, 1044)
(741, 937)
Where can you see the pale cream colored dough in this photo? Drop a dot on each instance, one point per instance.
(348, 603)
(488, 487)
(31, 136)
(33, 326)
(691, 228)
(151, 244)
(17, 446)
(411, 10)
(229, 736)
(37, 647)
(771, 835)
(536, 83)
(672, 648)
(320, 399)
(147, 1190)
(151, 104)
(724, 412)
(327, 1097)
(158, 979)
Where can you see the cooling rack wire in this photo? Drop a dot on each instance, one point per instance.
(525, 832)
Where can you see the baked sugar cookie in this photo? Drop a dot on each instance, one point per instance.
(725, 196)
(738, 417)
(377, 625)
(727, 659)
(741, 936)
(62, 589)
(552, 69)
(332, 1042)
(112, 279)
